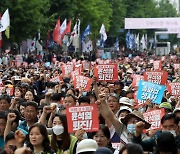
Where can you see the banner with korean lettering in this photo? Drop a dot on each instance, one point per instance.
(174, 88)
(176, 66)
(138, 103)
(159, 77)
(67, 69)
(154, 118)
(136, 79)
(8, 90)
(157, 65)
(107, 72)
(85, 117)
(56, 79)
(75, 73)
(83, 82)
(150, 90)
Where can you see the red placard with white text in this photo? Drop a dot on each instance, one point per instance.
(154, 118)
(157, 65)
(174, 88)
(83, 82)
(136, 79)
(85, 117)
(9, 90)
(108, 72)
(159, 77)
(75, 73)
(86, 65)
(67, 69)
(163, 58)
(56, 79)
(177, 66)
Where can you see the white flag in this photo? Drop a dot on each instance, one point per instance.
(73, 33)
(103, 32)
(137, 41)
(63, 27)
(143, 43)
(5, 21)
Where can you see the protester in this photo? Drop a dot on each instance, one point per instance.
(45, 93)
(86, 146)
(38, 140)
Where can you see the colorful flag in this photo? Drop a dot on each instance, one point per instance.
(103, 32)
(68, 28)
(7, 32)
(73, 33)
(128, 39)
(0, 40)
(103, 35)
(56, 32)
(0, 36)
(85, 33)
(5, 21)
(143, 43)
(116, 45)
(137, 41)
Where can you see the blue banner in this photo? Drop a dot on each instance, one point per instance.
(150, 90)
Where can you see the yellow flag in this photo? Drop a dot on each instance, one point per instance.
(7, 32)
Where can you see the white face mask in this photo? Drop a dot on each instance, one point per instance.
(85, 136)
(58, 129)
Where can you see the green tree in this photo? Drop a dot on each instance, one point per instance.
(118, 15)
(26, 18)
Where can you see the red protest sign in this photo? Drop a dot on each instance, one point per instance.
(107, 72)
(177, 66)
(9, 90)
(83, 82)
(163, 58)
(159, 77)
(56, 79)
(174, 88)
(67, 69)
(85, 117)
(154, 118)
(75, 73)
(151, 61)
(157, 65)
(86, 65)
(136, 79)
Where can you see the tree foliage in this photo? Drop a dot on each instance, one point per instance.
(27, 17)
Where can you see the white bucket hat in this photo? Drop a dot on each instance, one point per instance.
(86, 145)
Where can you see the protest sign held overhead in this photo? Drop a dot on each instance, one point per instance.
(107, 72)
(85, 117)
(136, 79)
(82, 82)
(174, 88)
(159, 77)
(150, 90)
(154, 118)
(157, 65)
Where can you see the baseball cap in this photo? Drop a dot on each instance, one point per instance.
(166, 105)
(86, 145)
(103, 150)
(122, 108)
(125, 101)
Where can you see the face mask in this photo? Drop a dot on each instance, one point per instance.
(131, 128)
(85, 136)
(171, 131)
(58, 129)
(132, 101)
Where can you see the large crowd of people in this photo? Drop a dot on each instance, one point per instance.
(33, 108)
